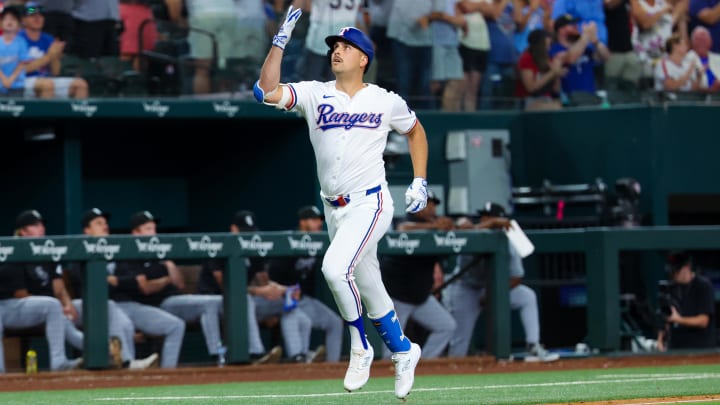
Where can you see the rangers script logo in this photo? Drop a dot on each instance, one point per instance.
(329, 119)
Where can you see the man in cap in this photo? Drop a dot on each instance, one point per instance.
(139, 295)
(94, 223)
(300, 271)
(688, 310)
(46, 53)
(409, 280)
(579, 51)
(465, 296)
(34, 294)
(275, 301)
(210, 281)
(349, 122)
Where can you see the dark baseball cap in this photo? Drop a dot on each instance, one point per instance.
(492, 209)
(310, 212)
(677, 259)
(142, 218)
(14, 10)
(32, 8)
(245, 221)
(431, 196)
(91, 214)
(28, 217)
(565, 19)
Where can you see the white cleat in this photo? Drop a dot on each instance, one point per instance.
(142, 364)
(405, 364)
(358, 371)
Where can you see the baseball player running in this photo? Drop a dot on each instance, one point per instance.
(348, 122)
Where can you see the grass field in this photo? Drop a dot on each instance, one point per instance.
(508, 388)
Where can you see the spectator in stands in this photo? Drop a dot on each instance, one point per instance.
(59, 21)
(379, 14)
(97, 27)
(579, 52)
(706, 13)
(538, 76)
(688, 309)
(22, 307)
(274, 301)
(655, 22)
(13, 54)
(586, 11)
(327, 17)
(465, 296)
(447, 73)
(252, 40)
(675, 71)
(138, 27)
(94, 223)
(161, 284)
(701, 41)
(474, 50)
(530, 15)
(502, 58)
(409, 31)
(623, 68)
(412, 295)
(212, 36)
(301, 271)
(45, 54)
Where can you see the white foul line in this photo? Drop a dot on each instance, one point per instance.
(658, 377)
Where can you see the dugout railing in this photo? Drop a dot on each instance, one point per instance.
(601, 247)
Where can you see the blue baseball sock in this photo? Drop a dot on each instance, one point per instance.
(357, 333)
(389, 329)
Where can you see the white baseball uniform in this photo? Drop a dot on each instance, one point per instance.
(348, 135)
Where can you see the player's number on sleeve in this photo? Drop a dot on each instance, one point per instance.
(336, 4)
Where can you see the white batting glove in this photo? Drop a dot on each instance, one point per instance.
(285, 31)
(416, 195)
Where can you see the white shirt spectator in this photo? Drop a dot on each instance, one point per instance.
(667, 69)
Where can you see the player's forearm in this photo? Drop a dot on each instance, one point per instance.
(696, 321)
(270, 72)
(417, 142)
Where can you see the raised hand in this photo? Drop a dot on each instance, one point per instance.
(416, 195)
(285, 31)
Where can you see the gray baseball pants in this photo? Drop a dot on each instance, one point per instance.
(119, 324)
(32, 311)
(327, 320)
(158, 322)
(295, 325)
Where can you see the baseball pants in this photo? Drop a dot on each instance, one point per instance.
(327, 320)
(193, 307)
(295, 325)
(432, 316)
(118, 325)
(158, 322)
(350, 265)
(32, 311)
(463, 302)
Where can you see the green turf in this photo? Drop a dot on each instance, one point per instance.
(510, 388)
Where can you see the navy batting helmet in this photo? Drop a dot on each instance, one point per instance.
(356, 38)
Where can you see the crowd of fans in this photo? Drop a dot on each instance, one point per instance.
(439, 54)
